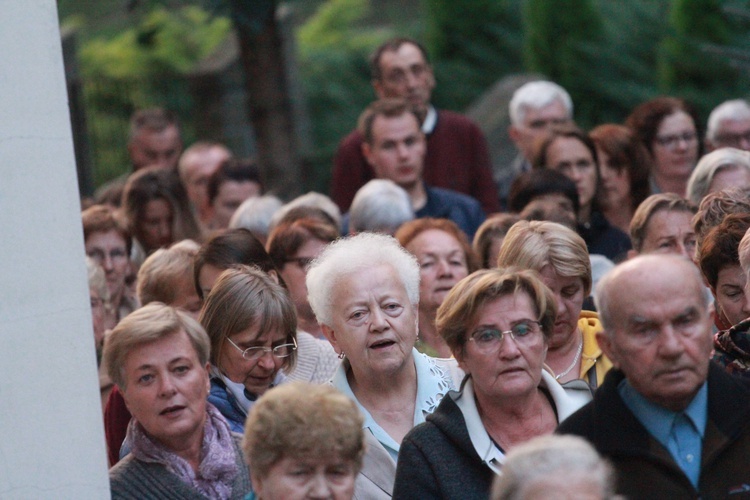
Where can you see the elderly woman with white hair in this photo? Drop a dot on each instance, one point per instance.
(718, 170)
(364, 291)
(181, 446)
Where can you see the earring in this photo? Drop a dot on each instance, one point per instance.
(341, 355)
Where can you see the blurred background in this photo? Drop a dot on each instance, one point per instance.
(256, 74)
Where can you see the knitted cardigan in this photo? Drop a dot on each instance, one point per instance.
(135, 480)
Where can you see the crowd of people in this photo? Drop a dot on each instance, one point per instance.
(575, 324)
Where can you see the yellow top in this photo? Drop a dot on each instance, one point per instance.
(593, 361)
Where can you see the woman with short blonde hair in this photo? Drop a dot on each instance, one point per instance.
(559, 255)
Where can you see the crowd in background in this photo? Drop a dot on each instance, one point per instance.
(425, 330)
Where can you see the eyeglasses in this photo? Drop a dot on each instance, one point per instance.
(671, 141)
(255, 353)
(302, 262)
(489, 339)
(733, 140)
(100, 256)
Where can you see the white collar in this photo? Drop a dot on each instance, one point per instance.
(430, 120)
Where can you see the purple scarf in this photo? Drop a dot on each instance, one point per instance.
(217, 468)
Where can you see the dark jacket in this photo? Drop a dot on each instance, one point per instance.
(438, 460)
(645, 468)
(603, 238)
(464, 210)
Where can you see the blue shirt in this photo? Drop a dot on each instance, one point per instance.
(681, 433)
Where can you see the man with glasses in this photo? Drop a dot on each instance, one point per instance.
(671, 423)
(729, 126)
(457, 156)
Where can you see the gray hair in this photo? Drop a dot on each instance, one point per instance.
(348, 256)
(551, 457)
(255, 214)
(711, 164)
(744, 252)
(736, 109)
(311, 199)
(609, 283)
(537, 95)
(380, 206)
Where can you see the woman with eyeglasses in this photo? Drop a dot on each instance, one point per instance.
(252, 326)
(498, 323)
(668, 128)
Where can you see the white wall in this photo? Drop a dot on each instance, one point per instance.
(51, 432)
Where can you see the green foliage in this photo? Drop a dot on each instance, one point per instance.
(139, 67)
(334, 47)
(472, 43)
(685, 67)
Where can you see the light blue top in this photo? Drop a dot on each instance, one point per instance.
(680, 432)
(433, 382)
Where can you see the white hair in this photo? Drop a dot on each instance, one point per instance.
(744, 252)
(736, 109)
(709, 165)
(537, 95)
(546, 458)
(354, 254)
(380, 206)
(311, 199)
(255, 214)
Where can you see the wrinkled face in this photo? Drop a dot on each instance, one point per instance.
(160, 149)
(670, 231)
(229, 197)
(514, 367)
(198, 168)
(661, 338)
(166, 389)
(405, 74)
(109, 250)
(615, 184)
(256, 375)
(731, 300)
(155, 225)
(730, 177)
(374, 324)
(294, 273)
(569, 294)
(536, 124)
(573, 159)
(293, 478)
(675, 147)
(733, 134)
(397, 150)
(442, 264)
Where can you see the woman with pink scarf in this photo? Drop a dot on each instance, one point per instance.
(181, 446)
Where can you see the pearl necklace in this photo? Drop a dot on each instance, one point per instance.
(575, 361)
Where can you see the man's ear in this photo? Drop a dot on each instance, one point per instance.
(607, 347)
(367, 153)
(331, 336)
(208, 376)
(514, 134)
(378, 88)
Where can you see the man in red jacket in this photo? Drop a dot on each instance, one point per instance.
(457, 157)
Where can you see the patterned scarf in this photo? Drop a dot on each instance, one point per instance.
(217, 468)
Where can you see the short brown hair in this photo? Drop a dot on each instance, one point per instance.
(150, 323)
(413, 228)
(460, 309)
(102, 219)
(717, 205)
(393, 45)
(244, 296)
(496, 226)
(152, 119)
(302, 420)
(669, 202)
(720, 247)
(286, 239)
(390, 108)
